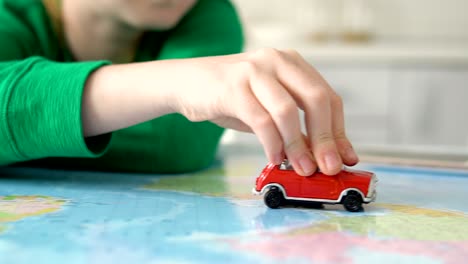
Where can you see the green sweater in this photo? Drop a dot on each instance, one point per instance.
(41, 89)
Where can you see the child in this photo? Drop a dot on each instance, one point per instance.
(157, 74)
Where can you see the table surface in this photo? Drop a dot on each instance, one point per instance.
(210, 216)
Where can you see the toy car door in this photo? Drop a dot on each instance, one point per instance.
(320, 186)
(288, 178)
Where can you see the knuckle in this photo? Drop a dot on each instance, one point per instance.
(285, 110)
(317, 96)
(269, 53)
(340, 134)
(323, 137)
(262, 121)
(293, 57)
(295, 145)
(293, 53)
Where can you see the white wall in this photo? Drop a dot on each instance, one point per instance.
(433, 19)
(399, 96)
(422, 18)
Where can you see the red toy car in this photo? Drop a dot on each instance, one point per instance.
(280, 183)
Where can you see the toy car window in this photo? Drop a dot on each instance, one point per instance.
(285, 165)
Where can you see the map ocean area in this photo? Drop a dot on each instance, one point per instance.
(211, 217)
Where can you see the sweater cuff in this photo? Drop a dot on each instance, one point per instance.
(44, 110)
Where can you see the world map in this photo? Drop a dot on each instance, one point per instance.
(210, 216)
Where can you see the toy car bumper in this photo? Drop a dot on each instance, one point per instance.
(371, 198)
(255, 192)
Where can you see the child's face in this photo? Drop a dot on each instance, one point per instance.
(149, 14)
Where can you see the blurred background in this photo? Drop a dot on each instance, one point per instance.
(400, 66)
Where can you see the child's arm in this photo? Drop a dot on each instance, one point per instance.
(40, 110)
(211, 28)
(40, 100)
(256, 91)
(172, 143)
(219, 32)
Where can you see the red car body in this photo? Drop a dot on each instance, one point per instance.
(318, 187)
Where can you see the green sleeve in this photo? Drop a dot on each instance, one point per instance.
(40, 100)
(40, 110)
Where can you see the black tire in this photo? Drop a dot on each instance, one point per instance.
(353, 202)
(273, 198)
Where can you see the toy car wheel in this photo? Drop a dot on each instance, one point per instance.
(353, 202)
(273, 198)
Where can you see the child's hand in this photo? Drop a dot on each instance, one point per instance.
(258, 91)
(262, 92)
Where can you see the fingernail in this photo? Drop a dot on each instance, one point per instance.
(350, 154)
(306, 164)
(332, 161)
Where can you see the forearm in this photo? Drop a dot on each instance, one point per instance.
(119, 96)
